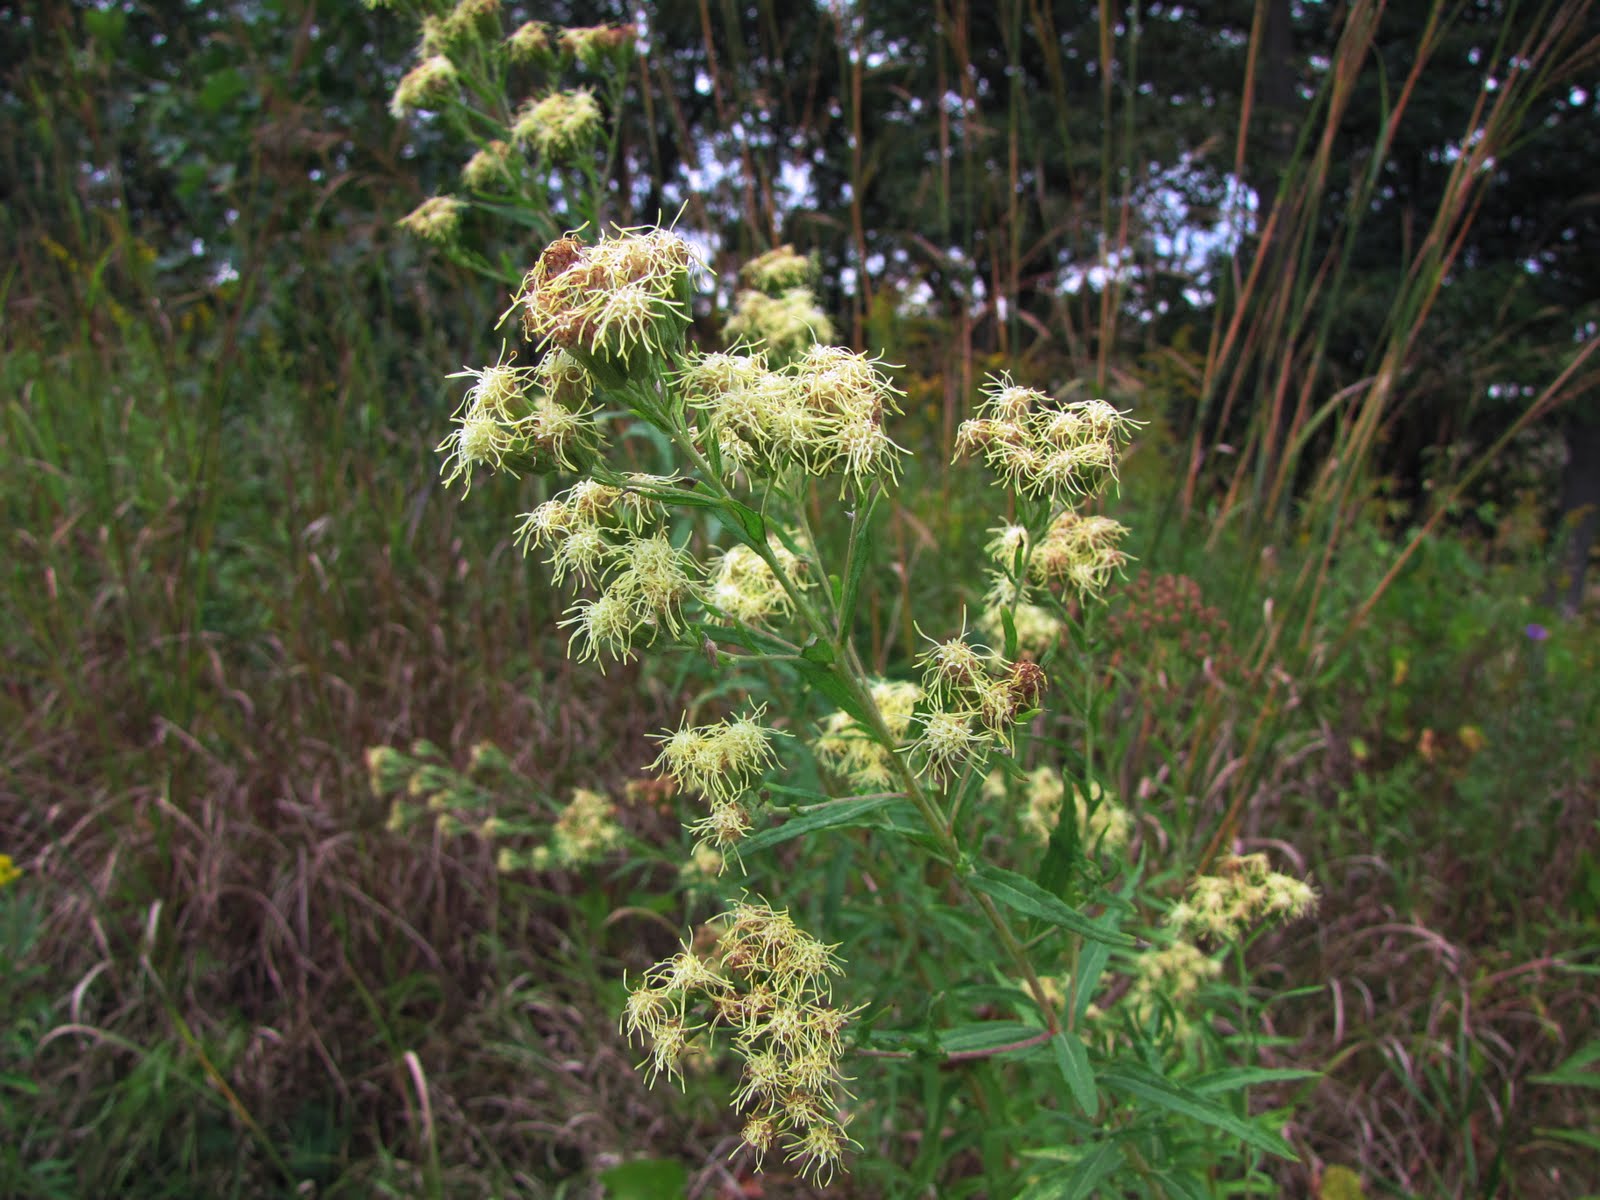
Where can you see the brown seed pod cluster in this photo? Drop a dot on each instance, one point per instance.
(1163, 624)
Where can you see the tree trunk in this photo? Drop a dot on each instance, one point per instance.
(1277, 107)
(1580, 514)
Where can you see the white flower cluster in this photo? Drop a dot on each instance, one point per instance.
(1042, 449)
(1243, 892)
(768, 982)
(722, 761)
(820, 413)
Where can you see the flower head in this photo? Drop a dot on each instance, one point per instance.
(607, 622)
(430, 81)
(1244, 891)
(529, 42)
(585, 831)
(598, 46)
(489, 167)
(1041, 448)
(434, 220)
(766, 981)
(603, 302)
(784, 324)
(558, 126)
(1079, 552)
(722, 759)
(779, 269)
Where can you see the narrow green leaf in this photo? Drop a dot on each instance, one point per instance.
(1073, 1059)
(678, 497)
(1026, 897)
(1234, 1078)
(824, 679)
(818, 652)
(751, 639)
(646, 1179)
(755, 525)
(1182, 1188)
(517, 215)
(840, 815)
(1163, 1093)
(1091, 964)
(809, 795)
(1588, 1141)
(1082, 1180)
(856, 567)
(1575, 1071)
(1085, 1180)
(984, 1035)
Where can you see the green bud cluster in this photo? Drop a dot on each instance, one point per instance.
(1166, 980)
(586, 830)
(436, 219)
(431, 82)
(558, 126)
(424, 788)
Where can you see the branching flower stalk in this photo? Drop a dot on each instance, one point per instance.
(610, 318)
(717, 555)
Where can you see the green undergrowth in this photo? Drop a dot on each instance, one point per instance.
(229, 972)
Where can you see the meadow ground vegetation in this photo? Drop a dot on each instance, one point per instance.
(544, 672)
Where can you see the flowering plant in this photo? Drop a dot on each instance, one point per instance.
(1031, 966)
